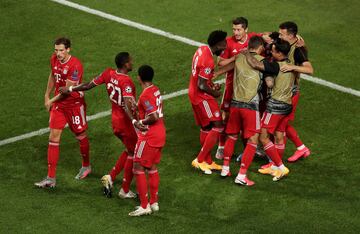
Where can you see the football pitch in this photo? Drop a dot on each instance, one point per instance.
(320, 195)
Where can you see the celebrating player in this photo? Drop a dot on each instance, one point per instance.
(66, 70)
(121, 91)
(274, 120)
(151, 140)
(203, 93)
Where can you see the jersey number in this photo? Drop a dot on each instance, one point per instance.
(159, 106)
(114, 90)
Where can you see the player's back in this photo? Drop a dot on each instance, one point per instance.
(71, 70)
(203, 66)
(150, 101)
(118, 86)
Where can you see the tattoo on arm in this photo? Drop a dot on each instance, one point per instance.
(254, 63)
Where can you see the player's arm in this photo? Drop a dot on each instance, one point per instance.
(253, 62)
(203, 86)
(224, 61)
(223, 69)
(305, 66)
(129, 107)
(150, 118)
(49, 90)
(62, 95)
(80, 87)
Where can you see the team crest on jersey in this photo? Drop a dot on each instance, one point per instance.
(128, 89)
(207, 70)
(217, 114)
(65, 71)
(75, 75)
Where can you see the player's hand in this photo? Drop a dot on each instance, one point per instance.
(48, 105)
(140, 126)
(300, 42)
(287, 68)
(64, 90)
(216, 87)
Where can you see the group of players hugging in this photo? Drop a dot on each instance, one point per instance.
(259, 102)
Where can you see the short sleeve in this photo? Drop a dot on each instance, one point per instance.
(149, 104)
(300, 55)
(100, 79)
(127, 89)
(75, 73)
(206, 68)
(271, 68)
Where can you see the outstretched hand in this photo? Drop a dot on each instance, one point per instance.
(287, 68)
(140, 126)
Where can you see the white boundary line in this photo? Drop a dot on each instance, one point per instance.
(164, 34)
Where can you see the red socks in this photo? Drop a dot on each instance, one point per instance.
(272, 153)
(84, 150)
(247, 157)
(209, 143)
(53, 157)
(141, 187)
(128, 174)
(119, 165)
(229, 149)
(293, 136)
(280, 148)
(154, 180)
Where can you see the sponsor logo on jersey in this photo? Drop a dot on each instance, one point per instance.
(148, 106)
(128, 89)
(207, 70)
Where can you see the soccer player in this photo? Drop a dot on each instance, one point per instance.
(203, 93)
(150, 142)
(121, 91)
(244, 111)
(234, 45)
(66, 70)
(300, 64)
(279, 105)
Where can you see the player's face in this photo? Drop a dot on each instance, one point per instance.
(61, 52)
(275, 54)
(129, 64)
(239, 32)
(284, 35)
(220, 47)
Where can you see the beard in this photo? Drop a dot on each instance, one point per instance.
(218, 52)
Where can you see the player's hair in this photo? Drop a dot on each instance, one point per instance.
(216, 37)
(121, 59)
(290, 27)
(241, 20)
(255, 42)
(282, 47)
(274, 36)
(146, 73)
(63, 40)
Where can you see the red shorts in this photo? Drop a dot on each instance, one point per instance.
(147, 155)
(124, 129)
(206, 112)
(274, 122)
(242, 119)
(294, 102)
(75, 117)
(226, 100)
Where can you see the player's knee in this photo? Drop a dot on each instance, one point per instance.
(81, 136)
(254, 139)
(55, 135)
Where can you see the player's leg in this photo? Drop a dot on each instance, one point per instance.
(130, 142)
(222, 138)
(85, 169)
(251, 130)
(154, 179)
(280, 143)
(269, 124)
(56, 123)
(301, 149)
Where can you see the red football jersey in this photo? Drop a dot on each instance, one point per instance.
(118, 85)
(202, 65)
(233, 47)
(149, 102)
(71, 70)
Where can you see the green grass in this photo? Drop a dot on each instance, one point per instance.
(320, 195)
